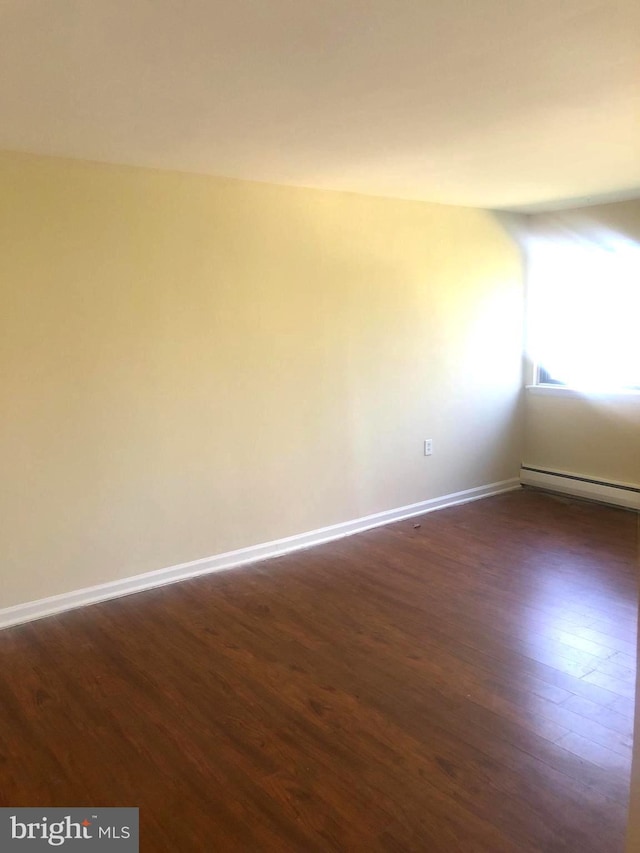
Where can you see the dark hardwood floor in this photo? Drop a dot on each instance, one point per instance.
(466, 685)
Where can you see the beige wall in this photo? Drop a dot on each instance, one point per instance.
(595, 436)
(193, 365)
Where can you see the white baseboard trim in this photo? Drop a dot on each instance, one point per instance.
(576, 485)
(32, 610)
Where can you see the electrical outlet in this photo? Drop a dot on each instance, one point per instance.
(428, 446)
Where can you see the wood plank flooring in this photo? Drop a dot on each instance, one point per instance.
(465, 685)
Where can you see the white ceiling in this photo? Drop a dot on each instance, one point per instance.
(495, 103)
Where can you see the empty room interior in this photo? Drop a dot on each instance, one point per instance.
(320, 432)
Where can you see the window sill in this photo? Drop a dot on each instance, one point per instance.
(564, 391)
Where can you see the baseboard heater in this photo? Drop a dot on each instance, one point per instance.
(620, 494)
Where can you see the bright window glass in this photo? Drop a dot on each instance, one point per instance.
(584, 315)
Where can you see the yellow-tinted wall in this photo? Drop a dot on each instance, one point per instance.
(593, 436)
(193, 365)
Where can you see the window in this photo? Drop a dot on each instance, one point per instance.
(584, 314)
